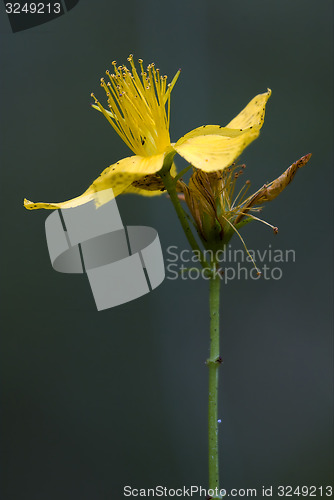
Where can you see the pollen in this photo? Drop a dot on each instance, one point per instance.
(138, 106)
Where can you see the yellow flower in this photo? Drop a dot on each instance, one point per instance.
(139, 111)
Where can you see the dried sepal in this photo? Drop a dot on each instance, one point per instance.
(270, 191)
(200, 196)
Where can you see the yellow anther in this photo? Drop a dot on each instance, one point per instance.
(93, 96)
(137, 101)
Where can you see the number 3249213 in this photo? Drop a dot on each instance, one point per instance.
(33, 8)
(305, 491)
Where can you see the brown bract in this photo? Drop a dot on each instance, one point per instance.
(270, 191)
(218, 209)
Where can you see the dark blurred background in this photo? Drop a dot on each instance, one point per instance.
(93, 401)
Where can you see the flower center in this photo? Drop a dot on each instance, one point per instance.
(137, 106)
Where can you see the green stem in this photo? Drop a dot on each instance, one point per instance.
(213, 362)
(170, 184)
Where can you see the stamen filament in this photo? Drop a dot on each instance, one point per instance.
(138, 111)
(243, 242)
(274, 228)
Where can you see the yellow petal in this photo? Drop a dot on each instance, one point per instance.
(215, 152)
(112, 181)
(209, 130)
(143, 192)
(148, 185)
(253, 114)
(79, 200)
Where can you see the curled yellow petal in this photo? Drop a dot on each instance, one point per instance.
(215, 152)
(74, 202)
(112, 181)
(213, 147)
(209, 130)
(253, 114)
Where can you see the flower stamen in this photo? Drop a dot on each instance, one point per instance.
(137, 107)
(243, 242)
